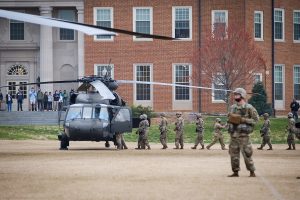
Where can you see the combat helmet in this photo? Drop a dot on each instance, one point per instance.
(266, 115)
(240, 91)
(163, 114)
(178, 113)
(198, 115)
(290, 115)
(218, 120)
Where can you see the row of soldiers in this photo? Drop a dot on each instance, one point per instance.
(241, 120)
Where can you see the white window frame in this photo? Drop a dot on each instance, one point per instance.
(143, 102)
(294, 81)
(112, 69)
(213, 19)
(279, 104)
(295, 41)
(257, 74)
(213, 100)
(59, 29)
(190, 23)
(134, 23)
(174, 82)
(261, 25)
(283, 25)
(112, 23)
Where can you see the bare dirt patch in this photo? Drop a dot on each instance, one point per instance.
(38, 170)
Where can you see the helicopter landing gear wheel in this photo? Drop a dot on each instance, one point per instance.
(107, 145)
(64, 142)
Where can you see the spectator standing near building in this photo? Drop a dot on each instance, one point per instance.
(55, 99)
(60, 100)
(45, 101)
(9, 101)
(20, 97)
(1, 100)
(40, 99)
(294, 109)
(50, 101)
(65, 98)
(32, 99)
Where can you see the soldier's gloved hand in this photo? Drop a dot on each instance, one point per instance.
(243, 120)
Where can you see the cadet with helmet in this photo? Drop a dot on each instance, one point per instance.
(218, 136)
(199, 131)
(241, 119)
(265, 133)
(143, 133)
(291, 134)
(179, 126)
(163, 127)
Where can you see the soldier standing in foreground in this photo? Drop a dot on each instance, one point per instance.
(265, 133)
(163, 127)
(241, 119)
(179, 125)
(291, 134)
(199, 131)
(143, 133)
(218, 136)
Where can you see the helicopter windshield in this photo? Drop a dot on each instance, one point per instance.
(87, 112)
(101, 113)
(74, 113)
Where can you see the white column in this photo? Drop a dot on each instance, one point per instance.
(81, 68)
(46, 52)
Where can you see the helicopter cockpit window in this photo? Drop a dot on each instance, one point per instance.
(87, 112)
(101, 113)
(74, 113)
(123, 115)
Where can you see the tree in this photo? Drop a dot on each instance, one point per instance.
(228, 59)
(259, 99)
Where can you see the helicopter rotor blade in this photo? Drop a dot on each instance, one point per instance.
(45, 82)
(104, 92)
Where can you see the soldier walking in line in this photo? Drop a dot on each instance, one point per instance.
(241, 119)
(218, 136)
(199, 131)
(163, 128)
(265, 133)
(179, 126)
(291, 134)
(143, 133)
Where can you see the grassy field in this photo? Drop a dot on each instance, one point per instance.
(278, 134)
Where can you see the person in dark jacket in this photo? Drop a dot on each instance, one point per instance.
(20, 97)
(46, 101)
(1, 100)
(294, 108)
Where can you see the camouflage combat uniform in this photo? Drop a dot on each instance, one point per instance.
(199, 132)
(291, 134)
(265, 133)
(163, 127)
(143, 133)
(120, 141)
(218, 136)
(239, 135)
(179, 125)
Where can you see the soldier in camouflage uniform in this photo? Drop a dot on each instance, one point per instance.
(265, 133)
(143, 132)
(291, 133)
(163, 127)
(199, 131)
(218, 136)
(179, 126)
(241, 119)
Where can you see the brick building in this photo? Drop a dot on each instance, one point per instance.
(174, 61)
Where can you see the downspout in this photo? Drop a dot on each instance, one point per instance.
(273, 59)
(199, 64)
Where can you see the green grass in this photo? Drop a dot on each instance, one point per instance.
(278, 134)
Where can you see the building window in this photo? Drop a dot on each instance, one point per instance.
(258, 25)
(297, 26)
(257, 77)
(279, 24)
(16, 30)
(104, 70)
(103, 17)
(182, 22)
(278, 82)
(182, 77)
(69, 15)
(143, 73)
(17, 70)
(218, 83)
(297, 82)
(219, 23)
(142, 22)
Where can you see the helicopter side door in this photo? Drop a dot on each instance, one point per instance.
(122, 120)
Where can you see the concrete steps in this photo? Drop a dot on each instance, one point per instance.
(29, 118)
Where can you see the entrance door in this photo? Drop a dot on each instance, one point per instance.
(14, 90)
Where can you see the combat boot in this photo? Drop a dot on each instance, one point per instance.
(252, 174)
(224, 148)
(294, 147)
(194, 147)
(207, 147)
(181, 147)
(260, 148)
(270, 148)
(202, 147)
(235, 174)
